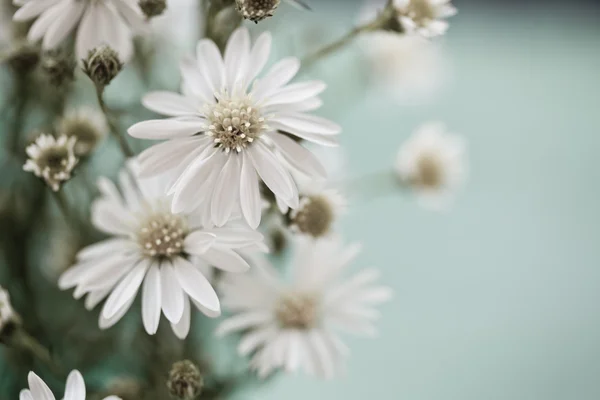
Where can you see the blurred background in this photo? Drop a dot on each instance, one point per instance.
(496, 298)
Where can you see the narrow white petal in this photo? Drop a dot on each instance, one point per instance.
(105, 323)
(235, 236)
(255, 339)
(307, 123)
(323, 140)
(75, 387)
(199, 242)
(105, 248)
(25, 395)
(279, 75)
(298, 156)
(86, 37)
(295, 93)
(168, 155)
(270, 170)
(236, 57)
(243, 321)
(211, 64)
(32, 9)
(196, 285)
(324, 353)
(189, 189)
(45, 20)
(156, 129)
(169, 103)
(194, 82)
(250, 200)
(258, 57)
(151, 299)
(172, 297)
(226, 192)
(39, 389)
(182, 328)
(63, 25)
(125, 290)
(225, 259)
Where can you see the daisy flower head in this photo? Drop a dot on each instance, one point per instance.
(294, 325)
(433, 163)
(52, 159)
(74, 390)
(110, 22)
(165, 254)
(424, 17)
(226, 130)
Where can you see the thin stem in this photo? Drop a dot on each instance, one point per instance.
(114, 129)
(63, 205)
(23, 341)
(380, 22)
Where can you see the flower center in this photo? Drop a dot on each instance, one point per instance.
(54, 158)
(430, 172)
(421, 11)
(314, 216)
(162, 234)
(234, 122)
(297, 311)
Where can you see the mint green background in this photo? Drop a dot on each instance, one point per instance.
(498, 298)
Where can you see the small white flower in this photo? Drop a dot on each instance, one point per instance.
(225, 130)
(320, 207)
(293, 326)
(52, 159)
(424, 17)
(110, 22)
(74, 390)
(85, 124)
(164, 251)
(433, 163)
(7, 313)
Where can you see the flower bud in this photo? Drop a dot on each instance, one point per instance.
(185, 381)
(152, 8)
(102, 65)
(257, 10)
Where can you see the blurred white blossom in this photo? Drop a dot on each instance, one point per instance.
(74, 389)
(52, 159)
(294, 325)
(433, 163)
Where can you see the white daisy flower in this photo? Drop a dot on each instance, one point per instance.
(152, 247)
(74, 390)
(293, 326)
(110, 22)
(52, 159)
(225, 130)
(424, 17)
(433, 163)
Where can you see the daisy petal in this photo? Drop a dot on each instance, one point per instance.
(75, 387)
(166, 129)
(25, 395)
(250, 200)
(270, 171)
(307, 123)
(196, 285)
(39, 389)
(125, 290)
(172, 298)
(226, 260)
(151, 300)
(295, 93)
(224, 196)
(298, 156)
(182, 328)
(169, 103)
(211, 64)
(199, 242)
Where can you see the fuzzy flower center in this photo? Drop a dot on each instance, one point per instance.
(162, 234)
(421, 11)
(314, 216)
(55, 159)
(297, 311)
(429, 171)
(235, 122)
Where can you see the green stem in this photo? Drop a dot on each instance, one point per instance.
(114, 129)
(382, 21)
(63, 205)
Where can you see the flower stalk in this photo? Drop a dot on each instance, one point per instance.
(112, 124)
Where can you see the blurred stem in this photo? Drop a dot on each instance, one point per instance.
(382, 21)
(63, 205)
(22, 341)
(20, 95)
(112, 124)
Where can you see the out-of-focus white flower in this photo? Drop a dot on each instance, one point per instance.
(223, 134)
(294, 326)
(164, 251)
(85, 124)
(7, 314)
(110, 22)
(424, 17)
(74, 390)
(411, 68)
(433, 162)
(52, 159)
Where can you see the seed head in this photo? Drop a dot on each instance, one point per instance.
(152, 8)
(257, 10)
(102, 65)
(185, 381)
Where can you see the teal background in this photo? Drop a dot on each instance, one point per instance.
(497, 298)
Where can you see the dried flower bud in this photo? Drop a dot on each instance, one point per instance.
(8, 317)
(102, 65)
(24, 57)
(59, 67)
(85, 124)
(52, 159)
(185, 381)
(152, 8)
(257, 10)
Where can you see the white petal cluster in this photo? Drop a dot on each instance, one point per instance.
(166, 255)
(293, 325)
(52, 159)
(228, 130)
(74, 390)
(433, 162)
(110, 22)
(424, 17)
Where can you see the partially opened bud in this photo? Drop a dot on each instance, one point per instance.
(102, 65)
